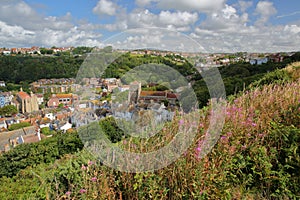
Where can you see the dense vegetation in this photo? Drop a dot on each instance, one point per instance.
(256, 157)
(18, 126)
(46, 151)
(17, 69)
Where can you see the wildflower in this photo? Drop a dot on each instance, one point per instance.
(94, 179)
(198, 149)
(68, 193)
(253, 124)
(223, 137)
(91, 162)
(181, 122)
(83, 167)
(201, 125)
(82, 191)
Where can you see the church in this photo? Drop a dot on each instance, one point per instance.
(27, 103)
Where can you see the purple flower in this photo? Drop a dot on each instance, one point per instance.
(94, 179)
(68, 193)
(82, 191)
(181, 122)
(223, 137)
(198, 149)
(253, 124)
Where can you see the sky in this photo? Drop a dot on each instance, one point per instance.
(185, 25)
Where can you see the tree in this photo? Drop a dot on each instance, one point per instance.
(8, 110)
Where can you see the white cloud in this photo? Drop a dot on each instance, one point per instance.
(21, 25)
(244, 5)
(265, 9)
(105, 7)
(225, 20)
(192, 5)
(178, 18)
(144, 3)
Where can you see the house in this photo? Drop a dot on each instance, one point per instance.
(53, 102)
(13, 138)
(40, 98)
(65, 127)
(2, 84)
(65, 99)
(27, 103)
(6, 98)
(3, 125)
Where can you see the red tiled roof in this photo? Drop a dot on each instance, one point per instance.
(171, 96)
(23, 95)
(64, 96)
(152, 93)
(30, 138)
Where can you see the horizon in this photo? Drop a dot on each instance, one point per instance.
(223, 26)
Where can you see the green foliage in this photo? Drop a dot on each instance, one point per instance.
(28, 69)
(81, 50)
(8, 110)
(47, 131)
(45, 151)
(111, 129)
(18, 126)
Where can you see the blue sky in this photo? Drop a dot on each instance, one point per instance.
(219, 25)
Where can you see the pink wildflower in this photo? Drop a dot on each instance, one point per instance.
(91, 162)
(68, 193)
(181, 122)
(83, 167)
(82, 191)
(94, 179)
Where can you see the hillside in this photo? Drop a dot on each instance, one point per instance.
(256, 157)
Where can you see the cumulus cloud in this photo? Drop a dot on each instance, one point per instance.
(265, 9)
(244, 5)
(192, 5)
(143, 3)
(225, 20)
(21, 25)
(105, 7)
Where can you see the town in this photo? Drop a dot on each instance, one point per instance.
(57, 104)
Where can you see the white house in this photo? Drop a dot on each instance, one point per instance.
(66, 127)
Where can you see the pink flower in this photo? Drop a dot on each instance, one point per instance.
(68, 193)
(229, 134)
(223, 137)
(198, 149)
(83, 167)
(91, 162)
(181, 122)
(82, 191)
(94, 179)
(253, 124)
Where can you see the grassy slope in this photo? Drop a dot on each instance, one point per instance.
(257, 157)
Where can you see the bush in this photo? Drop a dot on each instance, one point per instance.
(18, 126)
